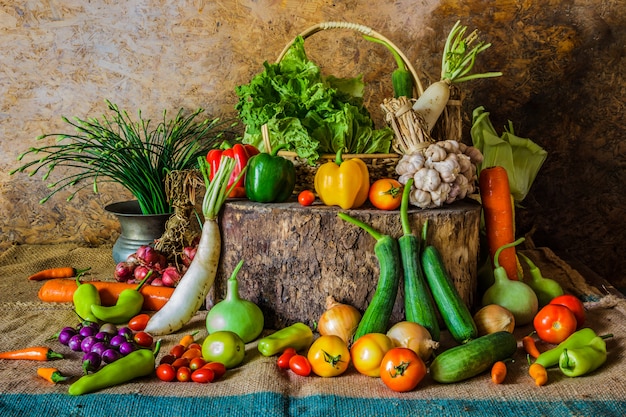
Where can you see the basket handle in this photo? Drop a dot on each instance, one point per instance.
(366, 31)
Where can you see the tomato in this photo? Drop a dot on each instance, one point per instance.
(143, 339)
(183, 374)
(574, 304)
(283, 359)
(196, 363)
(166, 372)
(367, 353)
(306, 198)
(195, 345)
(225, 347)
(329, 356)
(402, 369)
(218, 369)
(167, 359)
(300, 365)
(203, 375)
(192, 353)
(180, 362)
(178, 351)
(139, 322)
(386, 194)
(554, 323)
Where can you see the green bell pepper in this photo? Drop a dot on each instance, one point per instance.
(270, 178)
(583, 360)
(578, 339)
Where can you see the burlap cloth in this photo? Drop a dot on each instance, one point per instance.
(258, 388)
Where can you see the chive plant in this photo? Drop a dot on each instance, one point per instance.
(131, 153)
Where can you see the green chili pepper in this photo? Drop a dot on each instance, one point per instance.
(545, 288)
(583, 360)
(298, 336)
(134, 365)
(128, 305)
(270, 178)
(578, 339)
(401, 78)
(84, 297)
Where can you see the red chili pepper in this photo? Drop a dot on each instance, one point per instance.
(240, 153)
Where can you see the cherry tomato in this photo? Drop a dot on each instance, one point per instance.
(386, 194)
(196, 363)
(178, 351)
(180, 363)
(554, 323)
(306, 198)
(574, 304)
(167, 359)
(329, 356)
(367, 353)
(166, 372)
(192, 353)
(203, 375)
(283, 359)
(195, 345)
(402, 369)
(183, 374)
(143, 339)
(218, 369)
(300, 365)
(139, 322)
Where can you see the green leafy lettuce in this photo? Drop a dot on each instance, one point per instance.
(522, 158)
(307, 112)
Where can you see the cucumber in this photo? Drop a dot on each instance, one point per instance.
(473, 358)
(453, 310)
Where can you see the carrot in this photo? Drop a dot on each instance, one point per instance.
(539, 374)
(498, 213)
(61, 272)
(498, 372)
(62, 290)
(530, 346)
(52, 375)
(33, 353)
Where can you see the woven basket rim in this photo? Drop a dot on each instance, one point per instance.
(347, 155)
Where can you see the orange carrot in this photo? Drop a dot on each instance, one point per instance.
(498, 372)
(33, 353)
(497, 205)
(52, 375)
(538, 374)
(62, 290)
(530, 346)
(61, 272)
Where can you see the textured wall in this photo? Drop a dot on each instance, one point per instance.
(563, 86)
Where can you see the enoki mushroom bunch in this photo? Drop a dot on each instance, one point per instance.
(442, 172)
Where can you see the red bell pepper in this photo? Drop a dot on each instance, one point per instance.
(241, 154)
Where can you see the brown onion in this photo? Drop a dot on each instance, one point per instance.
(413, 336)
(493, 318)
(339, 320)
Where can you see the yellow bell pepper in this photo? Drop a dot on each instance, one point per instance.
(343, 183)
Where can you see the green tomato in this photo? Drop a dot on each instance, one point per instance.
(225, 347)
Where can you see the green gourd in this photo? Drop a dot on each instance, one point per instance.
(545, 288)
(235, 314)
(515, 296)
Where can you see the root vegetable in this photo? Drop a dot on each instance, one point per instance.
(493, 318)
(413, 336)
(339, 320)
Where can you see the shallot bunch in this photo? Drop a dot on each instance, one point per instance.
(146, 259)
(443, 172)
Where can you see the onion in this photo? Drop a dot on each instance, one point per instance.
(413, 336)
(494, 318)
(339, 320)
(124, 271)
(170, 276)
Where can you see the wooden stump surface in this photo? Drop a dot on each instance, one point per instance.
(296, 256)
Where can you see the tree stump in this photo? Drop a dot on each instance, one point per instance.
(296, 256)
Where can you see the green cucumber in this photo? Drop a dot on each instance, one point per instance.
(453, 310)
(473, 358)
(377, 314)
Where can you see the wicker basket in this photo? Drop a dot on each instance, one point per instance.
(379, 165)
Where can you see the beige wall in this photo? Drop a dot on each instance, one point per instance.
(563, 86)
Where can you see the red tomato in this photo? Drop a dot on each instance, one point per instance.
(386, 194)
(192, 353)
(166, 372)
(402, 369)
(143, 339)
(203, 375)
(218, 369)
(197, 363)
(167, 359)
(554, 323)
(180, 363)
(183, 374)
(139, 322)
(283, 360)
(300, 365)
(306, 198)
(574, 304)
(195, 345)
(178, 351)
